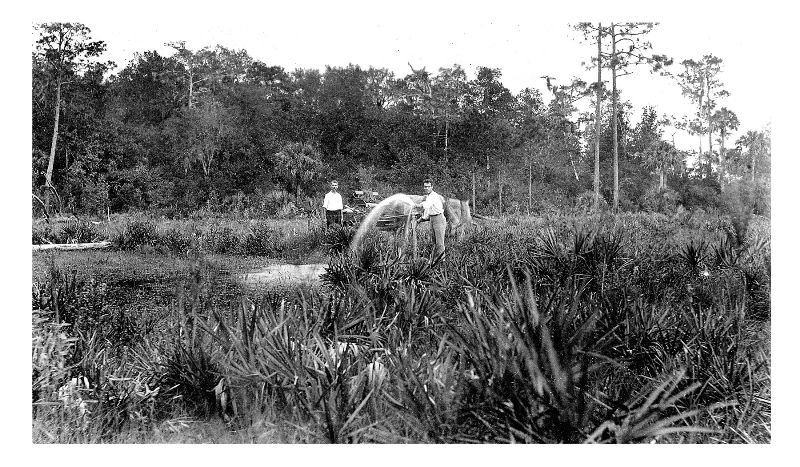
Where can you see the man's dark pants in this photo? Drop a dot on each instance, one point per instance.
(333, 217)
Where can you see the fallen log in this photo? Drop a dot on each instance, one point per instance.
(72, 246)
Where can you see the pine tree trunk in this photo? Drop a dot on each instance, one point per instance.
(710, 151)
(708, 121)
(572, 163)
(446, 131)
(700, 157)
(191, 86)
(530, 186)
(53, 145)
(722, 161)
(500, 187)
(474, 210)
(703, 169)
(614, 115)
(597, 121)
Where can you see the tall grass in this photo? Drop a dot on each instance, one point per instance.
(71, 231)
(287, 240)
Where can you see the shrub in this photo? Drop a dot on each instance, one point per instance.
(585, 202)
(762, 203)
(221, 240)
(82, 303)
(337, 239)
(52, 351)
(698, 193)
(737, 202)
(178, 240)
(261, 240)
(74, 231)
(79, 232)
(136, 232)
(41, 234)
(663, 201)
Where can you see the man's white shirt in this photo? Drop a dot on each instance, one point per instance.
(432, 205)
(333, 201)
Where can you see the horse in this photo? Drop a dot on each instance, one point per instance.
(397, 214)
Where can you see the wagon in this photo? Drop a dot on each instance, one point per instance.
(359, 204)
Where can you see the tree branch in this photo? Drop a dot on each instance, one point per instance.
(49, 185)
(44, 207)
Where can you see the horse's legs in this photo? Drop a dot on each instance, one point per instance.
(413, 224)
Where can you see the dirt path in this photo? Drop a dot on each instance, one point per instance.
(286, 274)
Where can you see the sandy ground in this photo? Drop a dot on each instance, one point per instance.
(287, 274)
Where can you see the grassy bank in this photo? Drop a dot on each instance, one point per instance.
(290, 240)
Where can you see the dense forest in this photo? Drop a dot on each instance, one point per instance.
(216, 128)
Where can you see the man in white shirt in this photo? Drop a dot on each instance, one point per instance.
(433, 210)
(333, 205)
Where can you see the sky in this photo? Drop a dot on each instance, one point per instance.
(525, 42)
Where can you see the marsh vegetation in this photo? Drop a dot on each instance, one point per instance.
(562, 329)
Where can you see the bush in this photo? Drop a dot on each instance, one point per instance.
(738, 202)
(141, 187)
(762, 204)
(585, 202)
(136, 232)
(74, 231)
(261, 240)
(663, 201)
(178, 240)
(337, 239)
(697, 193)
(52, 351)
(79, 232)
(41, 234)
(221, 240)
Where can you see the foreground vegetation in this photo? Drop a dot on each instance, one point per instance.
(632, 328)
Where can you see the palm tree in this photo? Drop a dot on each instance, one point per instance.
(754, 142)
(723, 120)
(297, 164)
(660, 156)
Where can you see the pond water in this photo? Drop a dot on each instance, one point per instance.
(286, 274)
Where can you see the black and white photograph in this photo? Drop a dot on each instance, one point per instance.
(413, 223)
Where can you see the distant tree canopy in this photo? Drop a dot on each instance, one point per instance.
(174, 132)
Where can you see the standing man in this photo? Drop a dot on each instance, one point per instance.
(333, 205)
(433, 210)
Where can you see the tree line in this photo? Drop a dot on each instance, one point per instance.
(198, 127)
